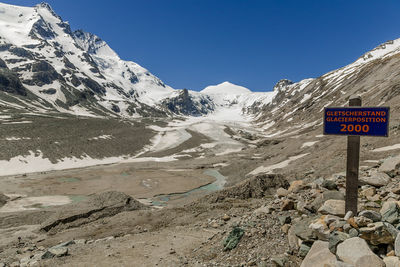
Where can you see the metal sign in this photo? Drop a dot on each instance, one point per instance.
(366, 121)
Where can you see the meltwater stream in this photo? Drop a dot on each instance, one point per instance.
(161, 200)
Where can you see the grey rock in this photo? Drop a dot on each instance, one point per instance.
(3, 199)
(293, 239)
(335, 238)
(390, 212)
(391, 229)
(348, 215)
(284, 219)
(333, 195)
(304, 249)
(302, 230)
(397, 245)
(329, 184)
(376, 179)
(280, 261)
(55, 252)
(334, 207)
(370, 214)
(357, 252)
(390, 165)
(319, 255)
(353, 232)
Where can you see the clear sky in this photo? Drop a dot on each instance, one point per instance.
(195, 43)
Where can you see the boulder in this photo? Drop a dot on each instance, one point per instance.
(357, 252)
(319, 255)
(332, 195)
(376, 179)
(376, 234)
(334, 207)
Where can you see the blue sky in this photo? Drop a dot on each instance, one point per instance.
(195, 43)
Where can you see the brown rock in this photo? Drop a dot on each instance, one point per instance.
(295, 186)
(287, 205)
(369, 192)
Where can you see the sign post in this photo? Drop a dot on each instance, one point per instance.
(353, 162)
(355, 121)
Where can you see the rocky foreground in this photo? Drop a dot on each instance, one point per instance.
(262, 221)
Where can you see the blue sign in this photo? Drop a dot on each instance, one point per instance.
(369, 121)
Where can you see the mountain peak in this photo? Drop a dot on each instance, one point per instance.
(227, 88)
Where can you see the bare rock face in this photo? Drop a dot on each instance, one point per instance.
(98, 206)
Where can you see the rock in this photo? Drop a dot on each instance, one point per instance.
(293, 240)
(334, 207)
(295, 186)
(285, 228)
(390, 165)
(376, 179)
(319, 255)
(335, 238)
(233, 239)
(353, 232)
(357, 252)
(304, 249)
(280, 261)
(376, 234)
(320, 228)
(348, 215)
(397, 245)
(302, 230)
(3, 199)
(226, 217)
(362, 221)
(369, 192)
(391, 261)
(263, 209)
(287, 204)
(329, 184)
(370, 214)
(282, 192)
(396, 190)
(332, 195)
(97, 206)
(284, 219)
(55, 252)
(391, 229)
(390, 212)
(390, 253)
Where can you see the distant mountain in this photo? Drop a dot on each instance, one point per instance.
(47, 67)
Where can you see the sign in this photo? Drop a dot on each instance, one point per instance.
(368, 121)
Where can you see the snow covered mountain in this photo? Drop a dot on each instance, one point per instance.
(46, 67)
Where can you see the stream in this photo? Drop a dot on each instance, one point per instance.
(161, 200)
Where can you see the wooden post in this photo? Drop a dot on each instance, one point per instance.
(353, 162)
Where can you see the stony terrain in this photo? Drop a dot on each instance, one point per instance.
(103, 164)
